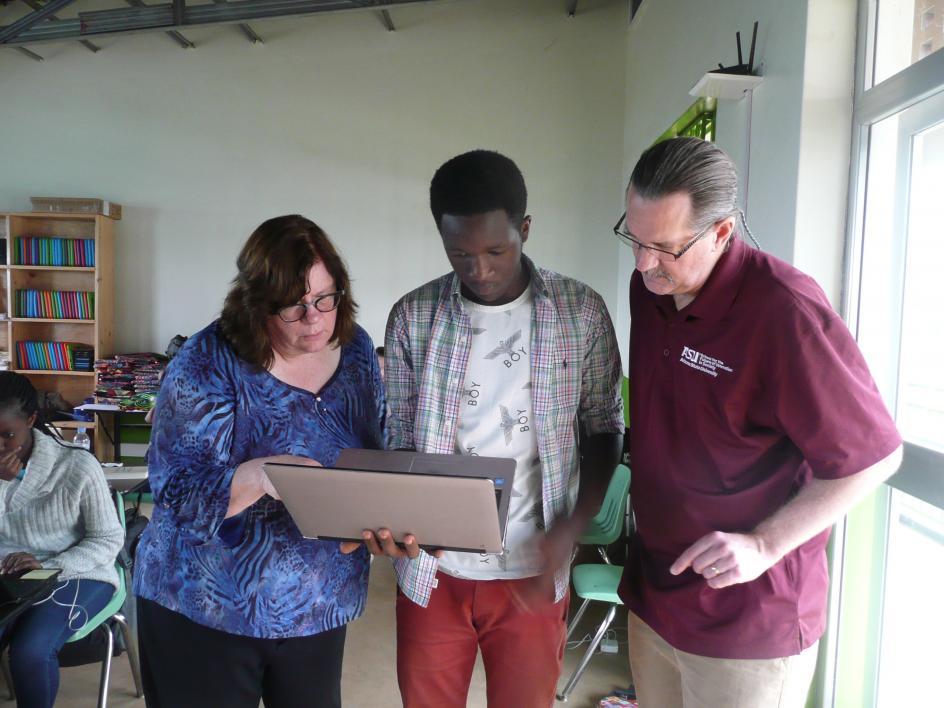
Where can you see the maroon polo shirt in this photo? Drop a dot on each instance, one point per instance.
(737, 402)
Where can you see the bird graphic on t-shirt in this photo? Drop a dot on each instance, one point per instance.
(536, 515)
(505, 346)
(507, 424)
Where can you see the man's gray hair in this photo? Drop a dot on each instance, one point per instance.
(695, 167)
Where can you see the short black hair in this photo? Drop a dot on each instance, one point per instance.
(477, 182)
(380, 350)
(18, 397)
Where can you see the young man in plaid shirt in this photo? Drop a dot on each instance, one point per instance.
(503, 359)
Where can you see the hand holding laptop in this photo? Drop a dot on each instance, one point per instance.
(280, 459)
(382, 543)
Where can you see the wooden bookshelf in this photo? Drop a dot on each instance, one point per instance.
(96, 333)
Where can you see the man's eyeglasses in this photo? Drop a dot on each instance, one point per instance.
(636, 245)
(322, 303)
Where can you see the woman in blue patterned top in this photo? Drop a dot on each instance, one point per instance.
(234, 605)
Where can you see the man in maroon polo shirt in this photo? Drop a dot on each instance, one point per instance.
(755, 426)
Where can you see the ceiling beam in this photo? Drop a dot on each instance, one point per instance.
(247, 30)
(179, 6)
(152, 18)
(173, 34)
(26, 22)
(85, 43)
(26, 52)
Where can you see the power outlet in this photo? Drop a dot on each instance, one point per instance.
(609, 646)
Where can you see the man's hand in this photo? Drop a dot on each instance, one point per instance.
(10, 464)
(557, 549)
(725, 558)
(382, 543)
(18, 562)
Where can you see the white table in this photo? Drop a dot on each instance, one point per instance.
(122, 479)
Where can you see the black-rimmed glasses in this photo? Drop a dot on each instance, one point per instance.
(322, 303)
(636, 245)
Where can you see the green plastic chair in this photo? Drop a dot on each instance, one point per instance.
(598, 582)
(110, 616)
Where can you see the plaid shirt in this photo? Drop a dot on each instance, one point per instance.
(575, 369)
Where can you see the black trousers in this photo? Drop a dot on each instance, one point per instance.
(187, 665)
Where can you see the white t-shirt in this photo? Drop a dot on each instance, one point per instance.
(496, 420)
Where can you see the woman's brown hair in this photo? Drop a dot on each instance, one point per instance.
(272, 273)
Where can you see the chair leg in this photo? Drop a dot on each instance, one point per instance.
(582, 666)
(7, 676)
(131, 645)
(576, 619)
(106, 666)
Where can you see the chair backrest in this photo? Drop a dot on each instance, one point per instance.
(121, 592)
(605, 527)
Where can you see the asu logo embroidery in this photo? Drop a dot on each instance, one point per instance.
(703, 362)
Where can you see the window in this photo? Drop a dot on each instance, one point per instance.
(697, 122)
(906, 31)
(892, 554)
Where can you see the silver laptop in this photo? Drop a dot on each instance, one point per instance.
(449, 512)
(501, 470)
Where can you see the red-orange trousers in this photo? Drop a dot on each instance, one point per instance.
(522, 647)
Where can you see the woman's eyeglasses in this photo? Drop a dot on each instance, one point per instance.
(322, 303)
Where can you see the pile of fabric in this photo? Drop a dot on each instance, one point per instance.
(129, 381)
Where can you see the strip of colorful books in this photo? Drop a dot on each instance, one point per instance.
(55, 304)
(54, 251)
(54, 356)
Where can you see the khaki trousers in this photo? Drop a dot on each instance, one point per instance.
(668, 678)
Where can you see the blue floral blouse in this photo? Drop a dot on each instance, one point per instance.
(252, 574)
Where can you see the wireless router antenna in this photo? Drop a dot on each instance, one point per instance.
(750, 61)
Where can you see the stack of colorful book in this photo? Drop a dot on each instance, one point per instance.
(54, 251)
(129, 381)
(54, 356)
(55, 304)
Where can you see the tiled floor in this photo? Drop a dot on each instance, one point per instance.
(369, 663)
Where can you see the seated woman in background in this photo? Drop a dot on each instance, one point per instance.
(55, 512)
(234, 605)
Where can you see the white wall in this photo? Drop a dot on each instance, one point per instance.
(334, 118)
(795, 129)
(825, 141)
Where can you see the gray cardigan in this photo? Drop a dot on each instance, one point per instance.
(62, 513)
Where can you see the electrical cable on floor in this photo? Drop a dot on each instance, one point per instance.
(574, 644)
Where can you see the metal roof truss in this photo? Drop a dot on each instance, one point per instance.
(42, 25)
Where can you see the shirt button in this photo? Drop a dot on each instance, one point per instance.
(665, 352)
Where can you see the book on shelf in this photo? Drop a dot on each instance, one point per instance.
(54, 356)
(55, 304)
(54, 251)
